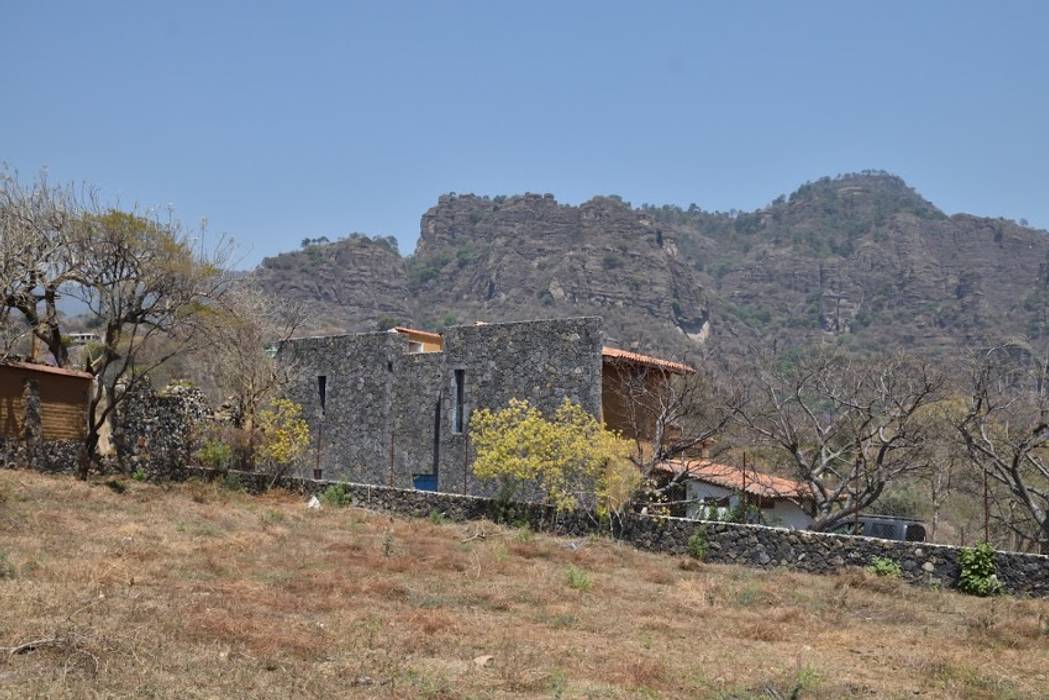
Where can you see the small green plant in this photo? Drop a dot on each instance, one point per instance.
(578, 579)
(231, 482)
(748, 595)
(698, 547)
(271, 517)
(336, 496)
(884, 566)
(116, 486)
(524, 533)
(437, 517)
(978, 573)
(215, 454)
(139, 474)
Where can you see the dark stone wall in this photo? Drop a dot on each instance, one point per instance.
(58, 456)
(748, 545)
(155, 431)
(379, 420)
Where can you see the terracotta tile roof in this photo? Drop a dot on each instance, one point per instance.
(429, 335)
(47, 369)
(617, 355)
(729, 477)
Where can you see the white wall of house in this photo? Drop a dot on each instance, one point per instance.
(783, 513)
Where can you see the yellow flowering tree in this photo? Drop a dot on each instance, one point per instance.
(285, 433)
(567, 455)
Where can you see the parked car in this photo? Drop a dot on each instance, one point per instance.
(886, 527)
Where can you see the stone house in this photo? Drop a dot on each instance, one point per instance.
(393, 408)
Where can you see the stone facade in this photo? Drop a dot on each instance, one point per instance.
(155, 431)
(46, 455)
(389, 415)
(728, 543)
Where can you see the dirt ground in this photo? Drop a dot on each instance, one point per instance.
(200, 591)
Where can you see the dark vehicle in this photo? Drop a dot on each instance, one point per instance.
(886, 527)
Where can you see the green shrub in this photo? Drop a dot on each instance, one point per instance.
(524, 533)
(115, 486)
(578, 578)
(437, 517)
(231, 482)
(884, 566)
(215, 454)
(698, 547)
(978, 573)
(139, 474)
(336, 496)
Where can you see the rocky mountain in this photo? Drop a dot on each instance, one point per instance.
(861, 260)
(357, 283)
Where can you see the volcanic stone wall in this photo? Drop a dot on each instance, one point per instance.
(156, 431)
(728, 543)
(388, 416)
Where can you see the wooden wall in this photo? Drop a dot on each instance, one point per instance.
(63, 403)
(624, 410)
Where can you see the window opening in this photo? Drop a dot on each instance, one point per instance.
(457, 415)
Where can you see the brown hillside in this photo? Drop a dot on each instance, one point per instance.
(197, 591)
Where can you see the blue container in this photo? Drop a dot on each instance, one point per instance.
(425, 482)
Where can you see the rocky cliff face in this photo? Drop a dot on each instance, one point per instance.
(861, 260)
(530, 257)
(357, 284)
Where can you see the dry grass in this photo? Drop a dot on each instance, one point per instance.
(194, 591)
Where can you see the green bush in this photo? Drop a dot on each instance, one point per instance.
(578, 578)
(437, 517)
(698, 547)
(215, 454)
(231, 482)
(336, 496)
(139, 474)
(884, 566)
(978, 573)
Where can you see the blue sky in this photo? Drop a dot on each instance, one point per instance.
(278, 121)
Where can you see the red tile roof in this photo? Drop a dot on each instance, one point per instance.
(429, 335)
(617, 355)
(729, 477)
(47, 369)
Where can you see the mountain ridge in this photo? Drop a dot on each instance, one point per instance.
(860, 259)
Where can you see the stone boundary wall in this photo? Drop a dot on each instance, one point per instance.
(729, 543)
(154, 431)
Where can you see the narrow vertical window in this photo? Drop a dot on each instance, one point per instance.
(437, 436)
(457, 408)
(322, 391)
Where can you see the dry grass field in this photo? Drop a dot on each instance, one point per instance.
(196, 591)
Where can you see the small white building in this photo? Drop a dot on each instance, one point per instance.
(711, 485)
(83, 338)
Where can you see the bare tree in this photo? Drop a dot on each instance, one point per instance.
(149, 283)
(146, 280)
(845, 428)
(1005, 431)
(670, 411)
(35, 225)
(244, 334)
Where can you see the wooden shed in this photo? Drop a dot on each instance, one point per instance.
(63, 400)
